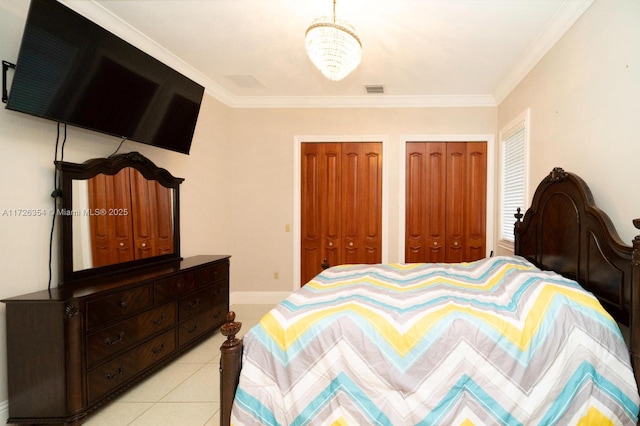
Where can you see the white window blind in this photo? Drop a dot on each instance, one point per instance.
(513, 177)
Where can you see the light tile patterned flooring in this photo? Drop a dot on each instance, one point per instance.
(184, 393)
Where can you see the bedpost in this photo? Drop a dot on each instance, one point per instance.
(516, 232)
(230, 365)
(634, 325)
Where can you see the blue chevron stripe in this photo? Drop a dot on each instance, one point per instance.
(466, 385)
(342, 383)
(583, 374)
(255, 408)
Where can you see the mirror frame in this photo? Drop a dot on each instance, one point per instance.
(68, 172)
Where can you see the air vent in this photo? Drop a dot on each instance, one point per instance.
(374, 88)
(245, 81)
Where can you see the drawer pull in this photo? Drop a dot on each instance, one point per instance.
(110, 376)
(159, 320)
(123, 304)
(217, 314)
(192, 329)
(194, 303)
(118, 339)
(158, 349)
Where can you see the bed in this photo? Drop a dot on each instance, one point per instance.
(533, 338)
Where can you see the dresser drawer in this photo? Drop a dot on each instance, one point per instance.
(117, 306)
(103, 344)
(117, 372)
(202, 323)
(173, 287)
(213, 273)
(201, 301)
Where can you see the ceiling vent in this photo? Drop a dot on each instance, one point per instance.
(374, 89)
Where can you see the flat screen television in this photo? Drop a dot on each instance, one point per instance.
(73, 71)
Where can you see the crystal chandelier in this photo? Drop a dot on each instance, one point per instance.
(333, 46)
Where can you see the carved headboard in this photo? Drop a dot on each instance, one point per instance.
(564, 231)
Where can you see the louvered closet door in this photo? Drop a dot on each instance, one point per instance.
(341, 205)
(446, 201)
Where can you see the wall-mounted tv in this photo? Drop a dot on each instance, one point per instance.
(73, 71)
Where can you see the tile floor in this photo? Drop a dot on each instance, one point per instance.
(184, 393)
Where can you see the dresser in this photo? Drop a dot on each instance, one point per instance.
(72, 348)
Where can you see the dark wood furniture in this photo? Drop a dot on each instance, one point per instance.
(129, 216)
(562, 231)
(73, 348)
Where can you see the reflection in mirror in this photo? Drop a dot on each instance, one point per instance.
(120, 218)
(117, 213)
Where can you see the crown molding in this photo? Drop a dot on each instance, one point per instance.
(567, 15)
(371, 101)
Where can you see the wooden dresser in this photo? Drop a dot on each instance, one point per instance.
(73, 348)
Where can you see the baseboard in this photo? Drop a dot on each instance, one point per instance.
(257, 297)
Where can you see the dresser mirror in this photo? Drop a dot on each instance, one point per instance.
(117, 213)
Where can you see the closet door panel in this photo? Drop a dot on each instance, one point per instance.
(455, 202)
(331, 205)
(426, 197)
(372, 192)
(351, 203)
(143, 196)
(362, 202)
(476, 200)
(320, 209)
(111, 235)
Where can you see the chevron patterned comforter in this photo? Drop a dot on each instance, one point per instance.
(495, 341)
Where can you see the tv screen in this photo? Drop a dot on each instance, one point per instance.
(73, 71)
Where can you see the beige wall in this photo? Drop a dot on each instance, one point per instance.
(261, 161)
(585, 107)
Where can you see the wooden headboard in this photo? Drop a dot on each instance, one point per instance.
(564, 231)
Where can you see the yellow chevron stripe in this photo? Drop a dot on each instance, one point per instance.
(594, 417)
(340, 422)
(388, 284)
(404, 343)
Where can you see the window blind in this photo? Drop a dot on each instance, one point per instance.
(512, 180)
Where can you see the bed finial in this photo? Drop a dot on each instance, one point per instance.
(230, 329)
(518, 215)
(557, 175)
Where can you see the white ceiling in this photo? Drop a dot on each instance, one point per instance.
(250, 53)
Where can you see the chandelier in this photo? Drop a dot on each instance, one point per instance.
(333, 46)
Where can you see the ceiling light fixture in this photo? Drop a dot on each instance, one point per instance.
(333, 46)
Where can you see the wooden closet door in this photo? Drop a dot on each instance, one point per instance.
(361, 203)
(341, 205)
(111, 235)
(426, 197)
(445, 202)
(151, 216)
(475, 201)
(321, 207)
